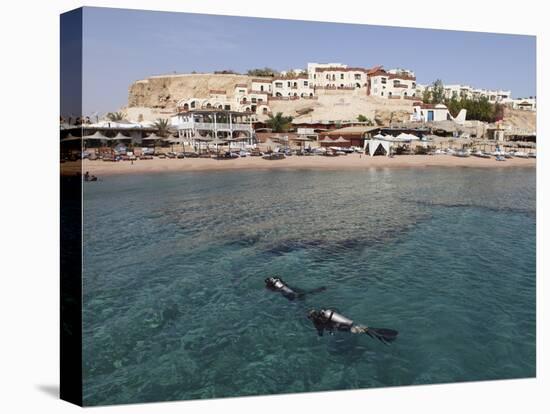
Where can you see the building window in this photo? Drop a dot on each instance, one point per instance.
(262, 88)
(357, 76)
(383, 80)
(306, 83)
(341, 76)
(278, 84)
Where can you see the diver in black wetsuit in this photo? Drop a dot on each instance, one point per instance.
(329, 320)
(278, 285)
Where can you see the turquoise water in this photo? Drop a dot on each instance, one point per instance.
(174, 300)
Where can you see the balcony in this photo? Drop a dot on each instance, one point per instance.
(220, 126)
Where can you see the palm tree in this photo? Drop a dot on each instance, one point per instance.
(115, 116)
(162, 126)
(279, 123)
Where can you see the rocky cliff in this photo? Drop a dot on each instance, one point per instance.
(165, 91)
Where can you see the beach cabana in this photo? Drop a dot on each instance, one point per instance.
(301, 139)
(377, 145)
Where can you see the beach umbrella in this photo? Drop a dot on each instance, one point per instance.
(120, 136)
(98, 135)
(70, 138)
(151, 137)
(342, 140)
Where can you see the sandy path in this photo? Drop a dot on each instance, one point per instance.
(347, 162)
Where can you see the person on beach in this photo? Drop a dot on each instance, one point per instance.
(276, 284)
(331, 321)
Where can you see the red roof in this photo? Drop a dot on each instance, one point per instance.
(337, 69)
(402, 76)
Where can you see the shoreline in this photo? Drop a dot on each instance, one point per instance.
(344, 162)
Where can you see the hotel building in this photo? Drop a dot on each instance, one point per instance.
(392, 84)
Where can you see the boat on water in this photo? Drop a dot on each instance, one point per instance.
(500, 158)
(532, 155)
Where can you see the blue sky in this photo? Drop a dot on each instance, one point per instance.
(121, 46)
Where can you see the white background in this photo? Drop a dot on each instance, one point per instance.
(29, 204)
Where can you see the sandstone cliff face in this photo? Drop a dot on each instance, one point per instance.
(156, 97)
(166, 91)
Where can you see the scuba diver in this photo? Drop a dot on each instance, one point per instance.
(277, 284)
(329, 320)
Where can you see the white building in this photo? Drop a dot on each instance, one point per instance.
(435, 113)
(340, 78)
(243, 99)
(524, 104)
(392, 84)
(299, 86)
(312, 68)
(468, 92)
(196, 124)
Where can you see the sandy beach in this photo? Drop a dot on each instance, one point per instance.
(348, 162)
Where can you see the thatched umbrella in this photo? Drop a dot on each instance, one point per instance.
(120, 136)
(327, 140)
(71, 138)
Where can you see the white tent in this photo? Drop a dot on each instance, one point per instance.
(402, 137)
(374, 144)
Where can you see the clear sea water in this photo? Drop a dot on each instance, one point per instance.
(174, 265)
